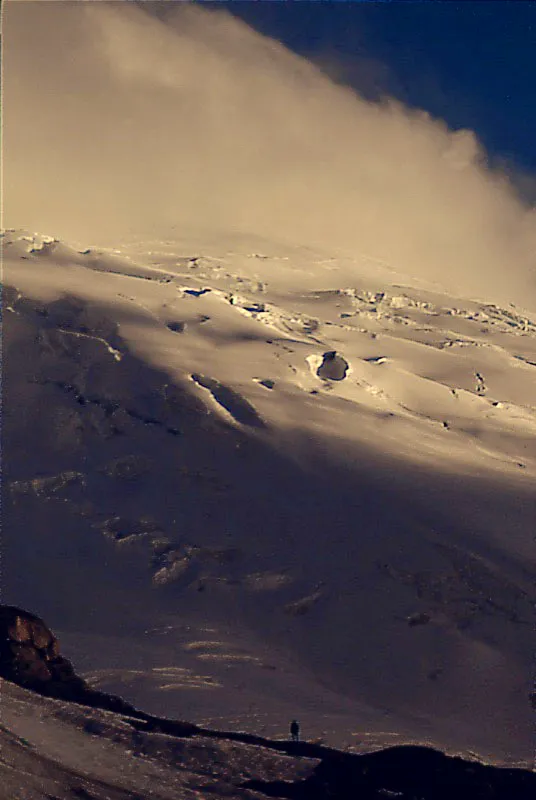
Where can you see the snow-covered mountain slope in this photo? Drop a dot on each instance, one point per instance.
(249, 482)
(55, 749)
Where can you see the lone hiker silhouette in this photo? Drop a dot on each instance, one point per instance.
(295, 731)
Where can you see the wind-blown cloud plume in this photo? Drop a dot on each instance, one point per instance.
(119, 117)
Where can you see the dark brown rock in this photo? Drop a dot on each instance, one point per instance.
(29, 651)
(30, 656)
(20, 631)
(27, 667)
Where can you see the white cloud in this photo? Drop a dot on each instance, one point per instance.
(116, 120)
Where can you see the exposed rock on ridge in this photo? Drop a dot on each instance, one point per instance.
(29, 656)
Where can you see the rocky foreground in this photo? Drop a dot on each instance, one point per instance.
(52, 748)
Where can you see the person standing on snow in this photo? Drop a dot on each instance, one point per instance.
(295, 731)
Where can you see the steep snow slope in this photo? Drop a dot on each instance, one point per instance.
(251, 483)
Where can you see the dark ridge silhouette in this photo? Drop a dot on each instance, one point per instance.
(30, 657)
(406, 772)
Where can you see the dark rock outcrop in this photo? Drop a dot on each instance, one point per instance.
(30, 656)
(29, 652)
(404, 772)
(333, 367)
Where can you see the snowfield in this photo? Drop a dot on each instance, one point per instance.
(269, 410)
(56, 749)
(246, 481)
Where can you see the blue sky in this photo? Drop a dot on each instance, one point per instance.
(471, 63)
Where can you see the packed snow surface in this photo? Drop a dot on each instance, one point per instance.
(248, 481)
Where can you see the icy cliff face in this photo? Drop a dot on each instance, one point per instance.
(252, 482)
